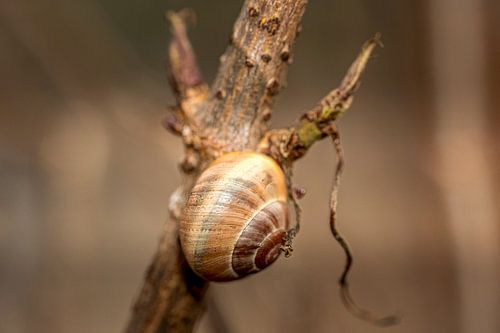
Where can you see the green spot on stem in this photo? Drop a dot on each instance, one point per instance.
(309, 133)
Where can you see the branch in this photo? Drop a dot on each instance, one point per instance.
(183, 66)
(232, 116)
(171, 297)
(289, 144)
(185, 76)
(252, 72)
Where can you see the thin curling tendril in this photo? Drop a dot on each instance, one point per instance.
(345, 294)
(291, 233)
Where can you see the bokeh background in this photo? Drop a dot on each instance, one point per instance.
(86, 169)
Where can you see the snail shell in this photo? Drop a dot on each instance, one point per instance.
(236, 217)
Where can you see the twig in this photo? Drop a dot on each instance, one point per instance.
(345, 293)
(290, 144)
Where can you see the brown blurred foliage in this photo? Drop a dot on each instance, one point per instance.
(86, 169)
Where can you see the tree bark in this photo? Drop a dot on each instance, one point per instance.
(232, 115)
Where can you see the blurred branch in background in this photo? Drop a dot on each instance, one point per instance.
(463, 169)
(73, 41)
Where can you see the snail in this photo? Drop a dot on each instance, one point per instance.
(236, 217)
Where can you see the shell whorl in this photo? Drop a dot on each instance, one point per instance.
(236, 217)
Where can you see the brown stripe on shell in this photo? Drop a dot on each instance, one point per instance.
(260, 242)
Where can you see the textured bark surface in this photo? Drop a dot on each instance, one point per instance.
(232, 115)
(252, 72)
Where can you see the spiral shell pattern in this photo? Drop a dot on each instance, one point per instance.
(235, 218)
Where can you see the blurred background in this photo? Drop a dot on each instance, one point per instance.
(86, 170)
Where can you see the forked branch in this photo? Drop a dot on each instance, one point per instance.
(290, 144)
(232, 115)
